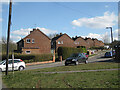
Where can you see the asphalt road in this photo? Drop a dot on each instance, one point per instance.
(97, 58)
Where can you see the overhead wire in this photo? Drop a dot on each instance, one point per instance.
(75, 10)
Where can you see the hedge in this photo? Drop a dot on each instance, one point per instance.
(30, 57)
(65, 52)
(99, 48)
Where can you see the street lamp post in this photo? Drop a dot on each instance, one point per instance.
(111, 37)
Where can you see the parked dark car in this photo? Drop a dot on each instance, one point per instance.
(109, 54)
(76, 58)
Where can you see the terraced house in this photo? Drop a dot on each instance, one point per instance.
(96, 42)
(101, 43)
(34, 43)
(79, 41)
(63, 40)
(90, 42)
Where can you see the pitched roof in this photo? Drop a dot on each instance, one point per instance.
(55, 38)
(87, 38)
(95, 39)
(32, 32)
(77, 38)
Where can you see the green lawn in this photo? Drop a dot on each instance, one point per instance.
(34, 79)
(89, 66)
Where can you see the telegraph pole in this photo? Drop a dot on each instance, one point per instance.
(8, 36)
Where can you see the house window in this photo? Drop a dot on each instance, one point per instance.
(28, 40)
(28, 52)
(76, 42)
(60, 42)
(33, 41)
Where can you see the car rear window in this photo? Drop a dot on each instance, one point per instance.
(16, 61)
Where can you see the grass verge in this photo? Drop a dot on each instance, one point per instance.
(30, 79)
(89, 66)
(34, 79)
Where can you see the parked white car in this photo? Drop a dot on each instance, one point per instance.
(18, 65)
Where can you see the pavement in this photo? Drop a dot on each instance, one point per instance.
(46, 65)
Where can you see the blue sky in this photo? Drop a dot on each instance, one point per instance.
(86, 19)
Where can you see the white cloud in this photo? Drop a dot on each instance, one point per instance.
(98, 22)
(22, 32)
(47, 31)
(25, 32)
(18, 34)
(14, 38)
(103, 37)
(94, 35)
(106, 37)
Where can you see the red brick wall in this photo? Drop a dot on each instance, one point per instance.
(101, 43)
(96, 43)
(81, 42)
(90, 43)
(67, 41)
(40, 41)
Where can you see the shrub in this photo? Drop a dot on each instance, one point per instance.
(99, 48)
(65, 52)
(30, 57)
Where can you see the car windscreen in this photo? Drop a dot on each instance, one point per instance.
(2, 62)
(74, 55)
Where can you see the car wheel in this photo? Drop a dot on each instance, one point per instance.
(76, 63)
(21, 68)
(86, 61)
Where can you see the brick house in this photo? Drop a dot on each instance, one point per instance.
(101, 43)
(79, 41)
(96, 43)
(63, 40)
(34, 43)
(90, 42)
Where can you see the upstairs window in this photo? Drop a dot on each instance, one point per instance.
(60, 42)
(33, 41)
(28, 40)
(76, 42)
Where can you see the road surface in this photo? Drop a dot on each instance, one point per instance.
(92, 59)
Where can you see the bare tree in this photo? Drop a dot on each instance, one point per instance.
(12, 45)
(4, 41)
(52, 35)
